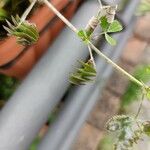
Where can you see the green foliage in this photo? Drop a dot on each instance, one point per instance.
(10, 8)
(110, 40)
(26, 33)
(115, 26)
(84, 36)
(107, 27)
(133, 90)
(144, 7)
(83, 75)
(7, 86)
(104, 24)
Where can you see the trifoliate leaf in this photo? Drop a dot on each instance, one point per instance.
(115, 26)
(84, 36)
(104, 24)
(26, 33)
(83, 75)
(110, 40)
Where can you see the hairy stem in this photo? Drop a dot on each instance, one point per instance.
(91, 56)
(73, 28)
(116, 66)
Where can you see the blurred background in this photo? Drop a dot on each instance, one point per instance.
(119, 96)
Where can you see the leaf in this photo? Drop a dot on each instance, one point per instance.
(26, 33)
(110, 40)
(84, 36)
(115, 27)
(133, 91)
(144, 7)
(104, 23)
(83, 75)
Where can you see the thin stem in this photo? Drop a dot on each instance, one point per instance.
(28, 10)
(116, 66)
(91, 56)
(100, 3)
(72, 27)
(140, 107)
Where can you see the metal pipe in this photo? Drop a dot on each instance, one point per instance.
(28, 109)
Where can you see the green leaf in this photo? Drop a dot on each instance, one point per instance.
(110, 40)
(84, 36)
(133, 90)
(115, 27)
(144, 7)
(104, 23)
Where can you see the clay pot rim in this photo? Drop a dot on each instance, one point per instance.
(16, 49)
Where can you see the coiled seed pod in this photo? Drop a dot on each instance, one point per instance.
(85, 74)
(118, 122)
(26, 33)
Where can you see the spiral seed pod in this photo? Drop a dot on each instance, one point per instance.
(118, 122)
(26, 33)
(85, 74)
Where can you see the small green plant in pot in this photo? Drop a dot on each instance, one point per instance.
(10, 8)
(129, 128)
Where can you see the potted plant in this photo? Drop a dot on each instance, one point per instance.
(16, 60)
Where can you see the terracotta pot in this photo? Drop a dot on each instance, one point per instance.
(16, 60)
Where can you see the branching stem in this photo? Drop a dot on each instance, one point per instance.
(116, 66)
(73, 28)
(91, 56)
